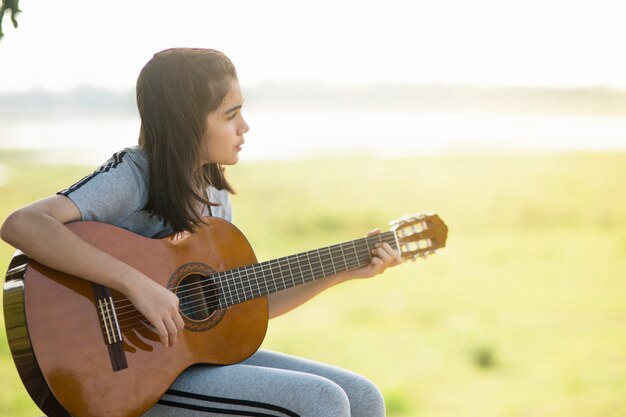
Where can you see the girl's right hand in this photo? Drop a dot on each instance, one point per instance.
(31, 228)
(159, 306)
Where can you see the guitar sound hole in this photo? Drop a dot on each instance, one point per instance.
(198, 297)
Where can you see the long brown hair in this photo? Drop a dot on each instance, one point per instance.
(176, 90)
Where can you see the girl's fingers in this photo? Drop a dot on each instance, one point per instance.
(384, 252)
(180, 323)
(162, 332)
(386, 255)
(168, 329)
(172, 331)
(373, 232)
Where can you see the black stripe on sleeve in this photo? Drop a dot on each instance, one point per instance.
(115, 160)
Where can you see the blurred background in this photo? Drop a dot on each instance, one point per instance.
(507, 118)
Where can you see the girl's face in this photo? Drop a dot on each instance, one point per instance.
(224, 130)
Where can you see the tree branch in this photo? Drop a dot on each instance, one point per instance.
(13, 6)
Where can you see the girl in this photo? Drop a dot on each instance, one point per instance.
(190, 105)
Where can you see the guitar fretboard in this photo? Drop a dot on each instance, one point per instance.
(253, 281)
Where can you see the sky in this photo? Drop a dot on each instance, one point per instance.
(549, 43)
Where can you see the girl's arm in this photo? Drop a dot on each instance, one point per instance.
(284, 301)
(38, 230)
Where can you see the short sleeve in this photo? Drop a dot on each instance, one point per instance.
(221, 197)
(114, 191)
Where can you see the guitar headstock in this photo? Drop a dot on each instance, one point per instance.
(419, 235)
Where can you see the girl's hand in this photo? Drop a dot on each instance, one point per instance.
(383, 256)
(160, 307)
(31, 228)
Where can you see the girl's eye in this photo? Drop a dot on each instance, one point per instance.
(232, 116)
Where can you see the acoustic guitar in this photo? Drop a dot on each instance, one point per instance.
(83, 350)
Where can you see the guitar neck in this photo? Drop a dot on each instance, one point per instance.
(253, 281)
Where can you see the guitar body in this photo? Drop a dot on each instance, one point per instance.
(58, 340)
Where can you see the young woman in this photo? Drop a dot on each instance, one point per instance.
(190, 104)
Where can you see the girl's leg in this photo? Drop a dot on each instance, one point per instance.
(364, 397)
(248, 390)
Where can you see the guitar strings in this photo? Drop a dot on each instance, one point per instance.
(290, 259)
(247, 277)
(212, 302)
(262, 267)
(388, 238)
(315, 268)
(129, 322)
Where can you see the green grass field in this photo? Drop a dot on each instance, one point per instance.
(522, 315)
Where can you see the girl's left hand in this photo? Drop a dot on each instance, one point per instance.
(383, 256)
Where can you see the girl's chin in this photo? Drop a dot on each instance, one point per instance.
(231, 161)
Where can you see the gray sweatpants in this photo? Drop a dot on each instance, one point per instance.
(270, 384)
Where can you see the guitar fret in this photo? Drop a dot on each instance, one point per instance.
(236, 285)
(300, 272)
(312, 262)
(331, 258)
(355, 252)
(269, 274)
(365, 255)
(256, 281)
(239, 290)
(247, 285)
(340, 258)
(343, 256)
(264, 277)
(220, 297)
(328, 258)
(332, 261)
(291, 273)
(285, 271)
(232, 287)
(281, 281)
(321, 263)
(268, 277)
(225, 289)
(254, 273)
(308, 265)
(345, 249)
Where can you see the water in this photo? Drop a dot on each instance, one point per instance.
(293, 134)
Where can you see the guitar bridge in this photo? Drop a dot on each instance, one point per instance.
(110, 328)
(108, 317)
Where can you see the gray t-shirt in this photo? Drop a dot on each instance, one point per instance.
(117, 192)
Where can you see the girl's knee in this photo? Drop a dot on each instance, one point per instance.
(365, 398)
(324, 398)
